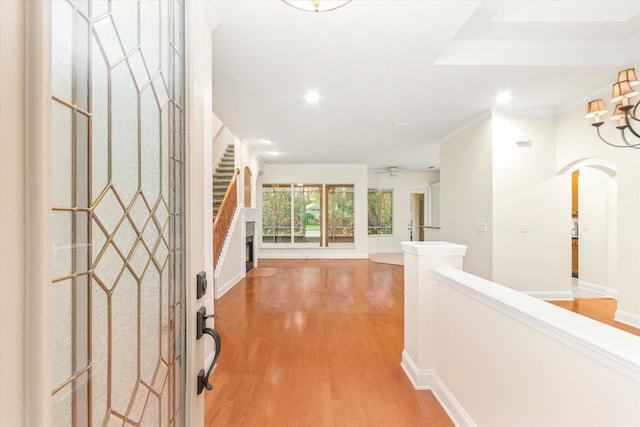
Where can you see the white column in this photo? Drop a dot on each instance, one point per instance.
(419, 326)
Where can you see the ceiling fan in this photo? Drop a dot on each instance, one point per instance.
(392, 171)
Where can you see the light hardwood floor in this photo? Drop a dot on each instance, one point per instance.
(316, 343)
(600, 309)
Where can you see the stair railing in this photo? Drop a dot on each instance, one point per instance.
(223, 220)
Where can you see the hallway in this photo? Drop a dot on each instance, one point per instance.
(316, 343)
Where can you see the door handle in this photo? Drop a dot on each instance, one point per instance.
(201, 330)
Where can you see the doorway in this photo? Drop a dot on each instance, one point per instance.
(417, 217)
(594, 230)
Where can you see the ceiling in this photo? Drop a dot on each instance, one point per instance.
(396, 77)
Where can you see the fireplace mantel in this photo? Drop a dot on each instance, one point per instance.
(251, 214)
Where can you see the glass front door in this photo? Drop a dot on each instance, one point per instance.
(117, 212)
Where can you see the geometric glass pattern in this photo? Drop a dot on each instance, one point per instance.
(117, 139)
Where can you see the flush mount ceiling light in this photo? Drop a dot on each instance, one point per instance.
(316, 5)
(503, 98)
(312, 97)
(622, 91)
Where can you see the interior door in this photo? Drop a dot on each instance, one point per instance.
(117, 207)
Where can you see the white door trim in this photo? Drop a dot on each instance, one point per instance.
(198, 197)
(38, 256)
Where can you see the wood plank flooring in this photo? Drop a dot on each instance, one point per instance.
(316, 343)
(600, 309)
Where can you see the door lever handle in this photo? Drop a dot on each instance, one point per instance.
(202, 329)
(201, 321)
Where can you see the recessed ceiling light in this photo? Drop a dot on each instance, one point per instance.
(312, 97)
(401, 124)
(503, 98)
(275, 153)
(267, 141)
(269, 123)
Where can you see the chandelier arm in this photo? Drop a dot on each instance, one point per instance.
(626, 119)
(630, 145)
(632, 113)
(615, 145)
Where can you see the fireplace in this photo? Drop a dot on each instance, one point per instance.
(249, 246)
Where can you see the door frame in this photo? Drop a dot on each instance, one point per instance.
(199, 132)
(410, 193)
(26, 208)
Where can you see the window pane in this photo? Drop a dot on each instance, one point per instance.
(380, 204)
(276, 214)
(340, 215)
(307, 210)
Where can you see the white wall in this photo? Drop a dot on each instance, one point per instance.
(434, 199)
(401, 185)
(231, 267)
(531, 207)
(593, 216)
(507, 359)
(320, 174)
(466, 195)
(246, 157)
(224, 138)
(504, 372)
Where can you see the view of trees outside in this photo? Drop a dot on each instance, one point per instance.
(380, 204)
(276, 214)
(340, 214)
(306, 213)
(307, 203)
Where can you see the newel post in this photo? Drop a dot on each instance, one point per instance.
(419, 286)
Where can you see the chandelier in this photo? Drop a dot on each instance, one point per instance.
(624, 112)
(316, 5)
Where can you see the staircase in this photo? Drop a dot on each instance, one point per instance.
(222, 177)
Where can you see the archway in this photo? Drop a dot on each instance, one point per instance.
(595, 231)
(247, 187)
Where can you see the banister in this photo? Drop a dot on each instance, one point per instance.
(224, 217)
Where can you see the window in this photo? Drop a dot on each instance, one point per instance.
(380, 204)
(276, 213)
(340, 218)
(308, 215)
(307, 219)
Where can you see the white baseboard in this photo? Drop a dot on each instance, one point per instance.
(596, 289)
(551, 295)
(385, 251)
(421, 379)
(223, 288)
(628, 318)
(426, 379)
(298, 254)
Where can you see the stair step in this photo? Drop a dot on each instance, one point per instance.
(226, 176)
(224, 172)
